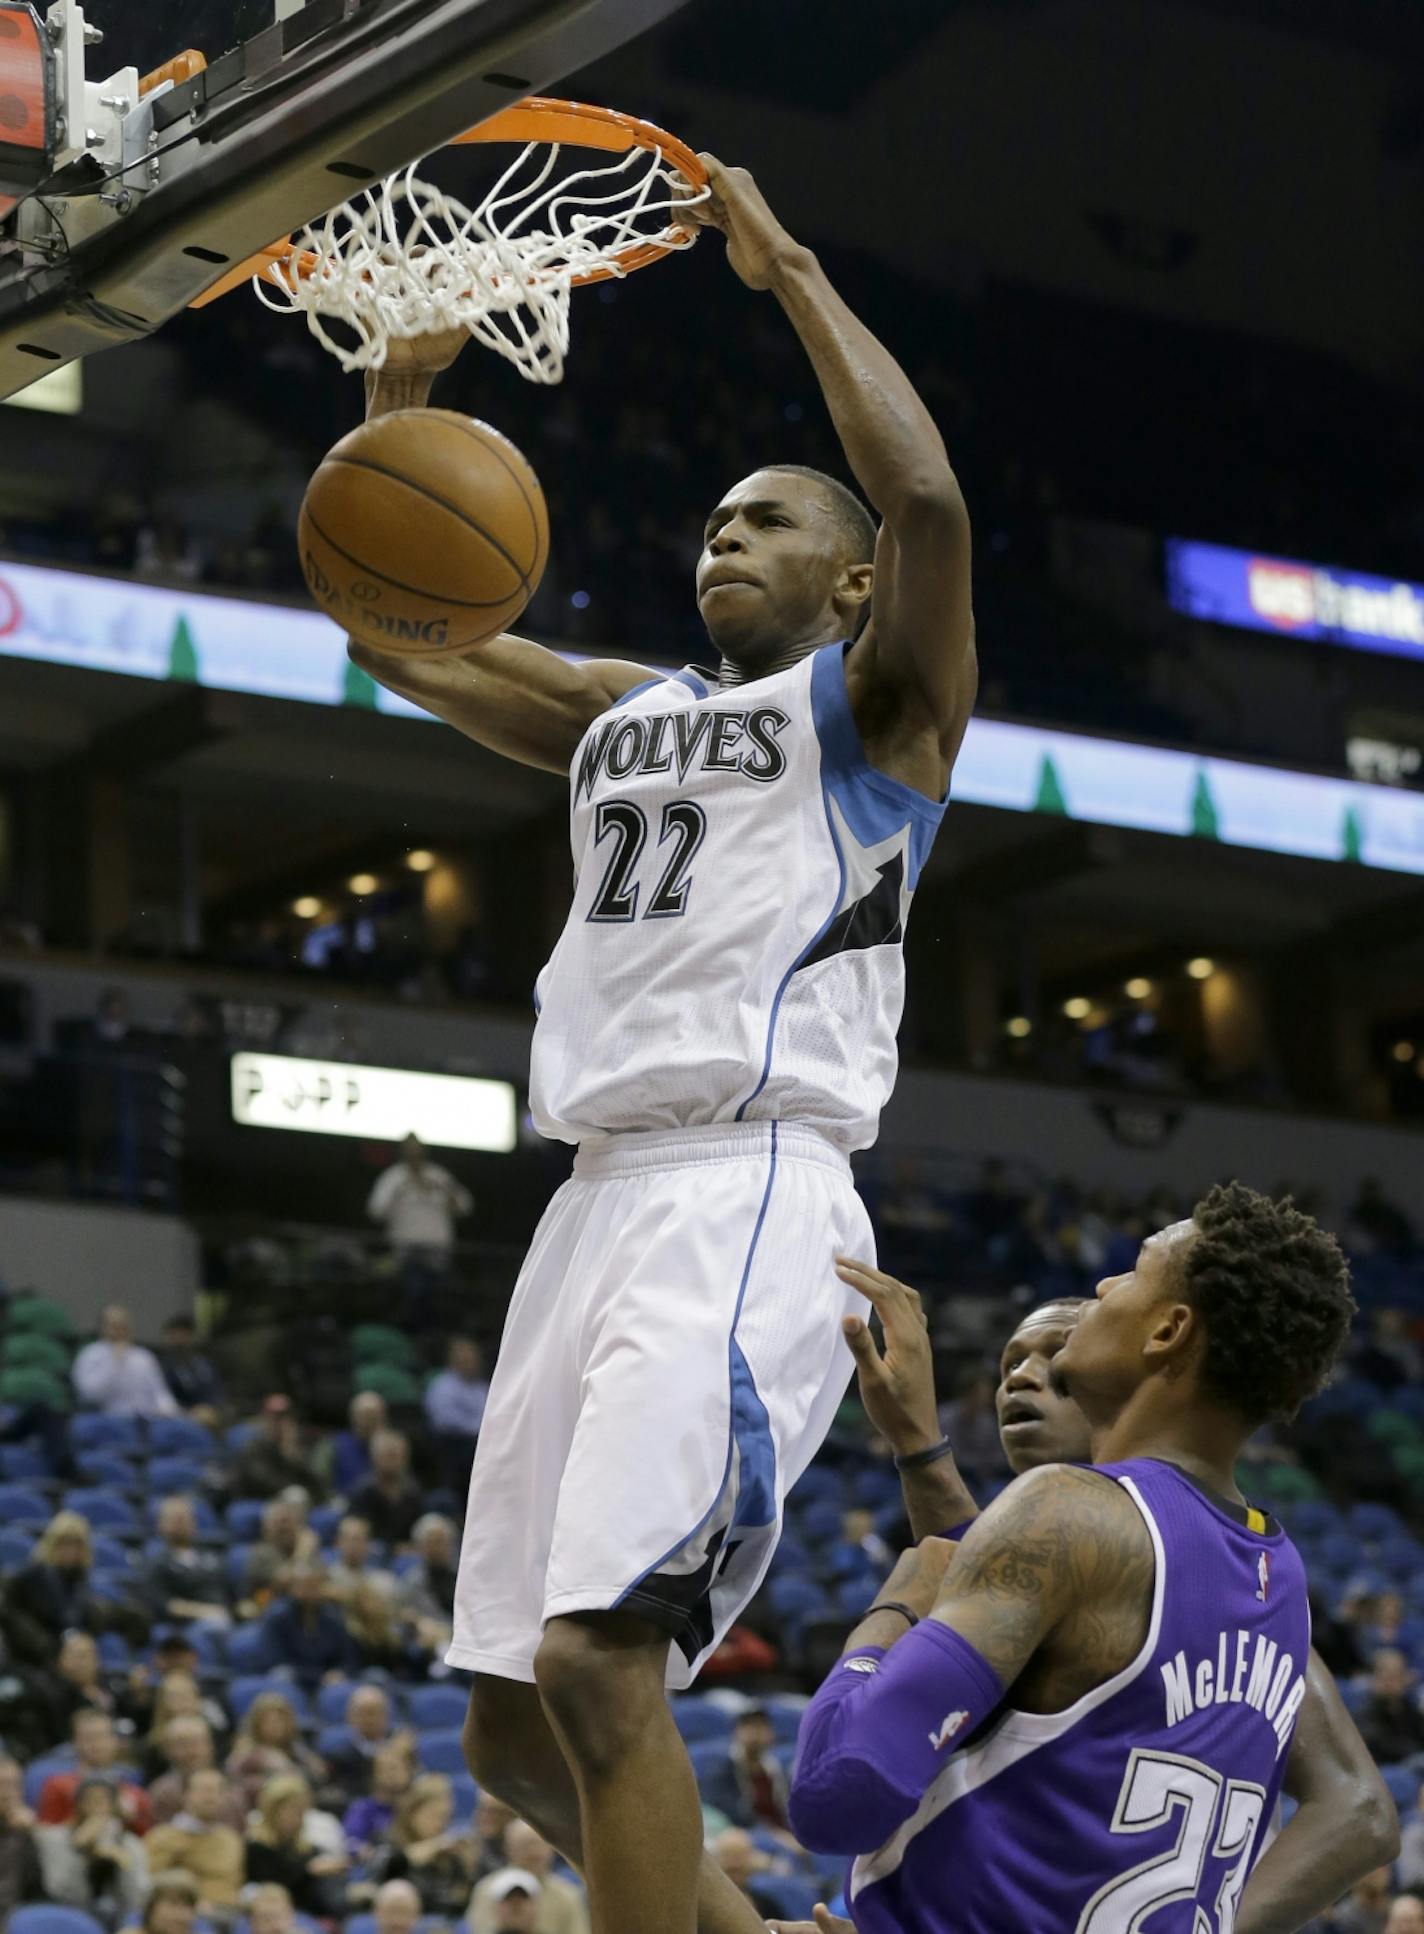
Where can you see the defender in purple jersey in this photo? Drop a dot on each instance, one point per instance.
(1153, 1629)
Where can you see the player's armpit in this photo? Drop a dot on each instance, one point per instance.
(511, 695)
(1061, 1552)
(1345, 1824)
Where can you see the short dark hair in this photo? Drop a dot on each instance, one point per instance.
(1273, 1289)
(853, 521)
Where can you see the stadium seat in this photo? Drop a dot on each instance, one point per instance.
(466, 1796)
(1375, 1521)
(388, 1380)
(114, 1653)
(786, 1712)
(245, 1688)
(23, 1464)
(237, 1558)
(852, 1599)
(247, 1649)
(16, 1548)
(324, 1519)
(104, 1469)
(110, 1553)
(238, 1437)
(53, 1920)
(181, 1437)
(820, 1523)
(441, 1750)
(1355, 1694)
(382, 1343)
(31, 1313)
(203, 1512)
(104, 1510)
(795, 1597)
(697, 1719)
(707, 1756)
(243, 1519)
(92, 1431)
(20, 1505)
(39, 1770)
(431, 1707)
(170, 1475)
(1403, 1784)
(113, 1583)
(36, 1350)
(30, 1386)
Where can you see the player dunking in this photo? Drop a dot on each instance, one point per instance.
(1090, 1730)
(716, 1032)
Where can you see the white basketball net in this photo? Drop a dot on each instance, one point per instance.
(406, 259)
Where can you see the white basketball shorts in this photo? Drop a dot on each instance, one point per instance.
(671, 1363)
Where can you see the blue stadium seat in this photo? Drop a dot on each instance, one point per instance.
(334, 1739)
(1355, 1693)
(1339, 1548)
(181, 1437)
(431, 1707)
(852, 1599)
(441, 1750)
(707, 1756)
(1311, 1518)
(105, 1510)
(786, 1713)
(1374, 1521)
(167, 1475)
(791, 1555)
(816, 1485)
(1403, 1785)
(324, 1520)
(23, 1464)
(237, 1558)
(21, 1505)
(239, 1437)
(15, 1548)
(874, 1486)
(820, 1523)
(331, 1701)
(466, 1796)
(113, 1584)
(243, 1519)
(110, 1552)
(53, 1920)
(39, 1770)
(698, 1719)
(114, 1653)
(795, 1597)
(245, 1688)
(108, 1469)
(92, 1431)
(247, 1649)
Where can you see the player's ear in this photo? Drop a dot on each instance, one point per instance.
(1172, 1339)
(853, 594)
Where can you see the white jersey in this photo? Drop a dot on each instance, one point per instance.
(742, 880)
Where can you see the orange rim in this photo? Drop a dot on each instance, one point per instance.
(574, 124)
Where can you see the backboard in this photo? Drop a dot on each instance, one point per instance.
(128, 189)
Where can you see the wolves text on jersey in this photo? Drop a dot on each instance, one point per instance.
(693, 741)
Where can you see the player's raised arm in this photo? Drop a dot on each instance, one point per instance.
(1345, 1824)
(510, 694)
(879, 1731)
(918, 648)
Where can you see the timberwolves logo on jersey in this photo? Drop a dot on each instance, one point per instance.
(686, 742)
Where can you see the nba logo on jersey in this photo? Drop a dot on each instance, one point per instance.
(1263, 1576)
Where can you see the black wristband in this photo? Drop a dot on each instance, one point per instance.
(916, 1459)
(894, 1605)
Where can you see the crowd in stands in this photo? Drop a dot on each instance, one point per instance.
(223, 1700)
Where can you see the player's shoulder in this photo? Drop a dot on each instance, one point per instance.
(1066, 1501)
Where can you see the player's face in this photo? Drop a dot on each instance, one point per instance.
(1038, 1424)
(1105, 1359)
(772, 562)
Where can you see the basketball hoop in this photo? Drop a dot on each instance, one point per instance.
(405, 258)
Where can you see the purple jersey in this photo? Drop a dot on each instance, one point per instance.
(1143, 1807)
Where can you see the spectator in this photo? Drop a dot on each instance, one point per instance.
(368, 1725)
(513, 1896)
(182, 1580)
(749, 1785)
(354, 1562)
(416, 1203)
(179, 1696)
(280, 1849)
(304, 1632)
(428, 1593)
(286, 1539)
(93, 1861)
(746, 1866)
(1390, 1720)
(381, 1638)
(96, 1757)
(274, 1458)
(492, 1818)
(199, 1841)
(78, 1681)
(368, 1820)
(1406, 1915)
(559, 1906)
(118, 1376)
(269, 1743)
(269, 1910)
(972, 1422)
(397, 1908)
(19, 1856)
(186, 1744)
(455, 1408)
(1409, 1868)
(426, 1850)
(351, 1448)
(390, 1499)
(192, 1381)
(50, 1596)
(172, 1905)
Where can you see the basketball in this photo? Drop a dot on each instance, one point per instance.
(423, 531)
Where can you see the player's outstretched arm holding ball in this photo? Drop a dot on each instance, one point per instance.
(912, 673)
(510, 695)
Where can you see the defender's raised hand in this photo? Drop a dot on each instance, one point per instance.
(757, 244)
(896, 1385)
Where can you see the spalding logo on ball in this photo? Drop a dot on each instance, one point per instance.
(424, 531)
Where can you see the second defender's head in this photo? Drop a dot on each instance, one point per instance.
(787, 559)
(1239, 1313)
(1038, 1422)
